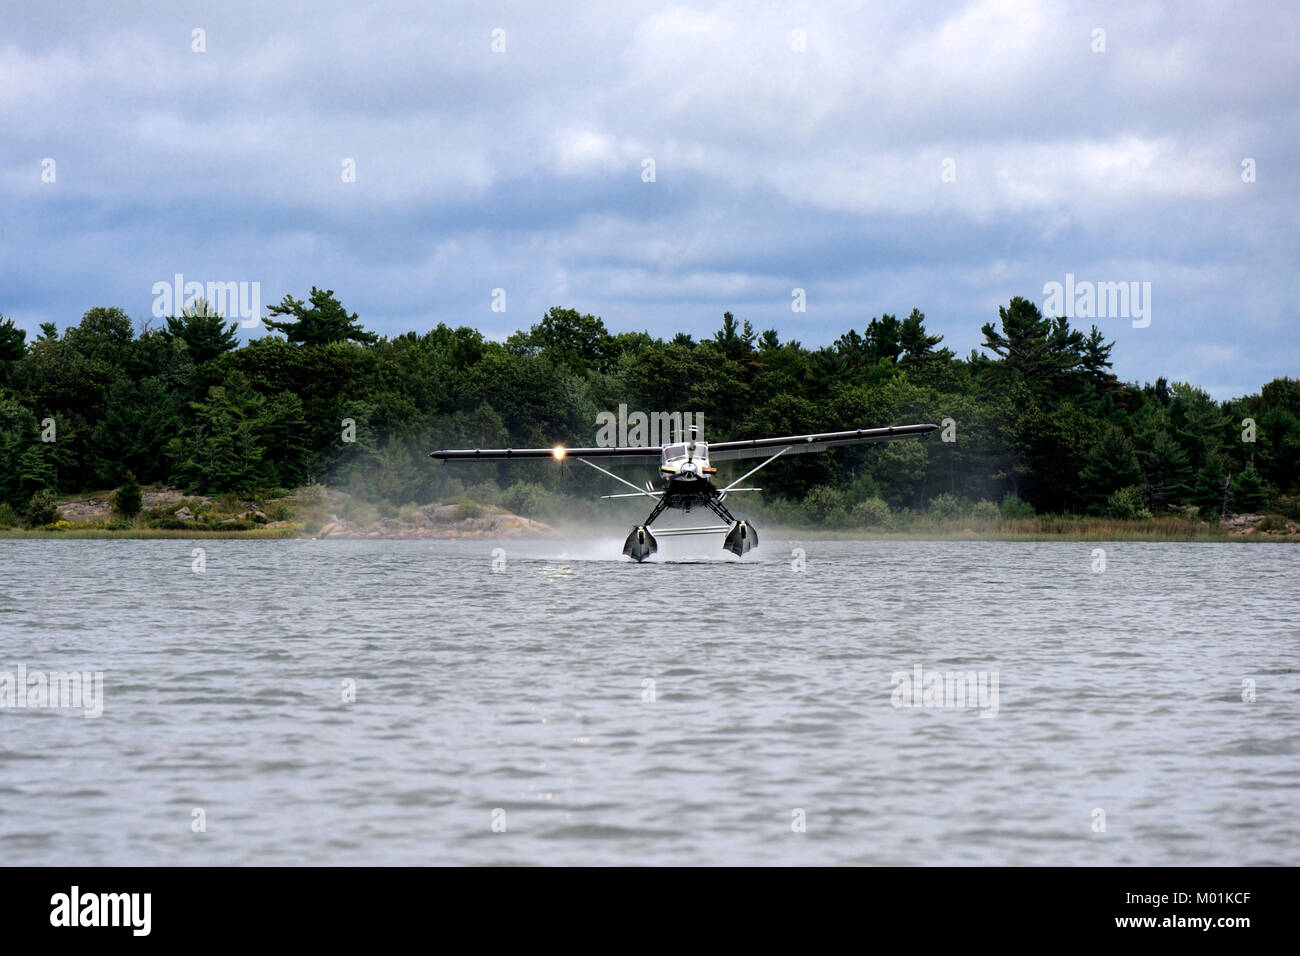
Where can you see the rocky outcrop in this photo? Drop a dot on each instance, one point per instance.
(1248, 524)
(430, 521)
(100, 507)
(440, 521)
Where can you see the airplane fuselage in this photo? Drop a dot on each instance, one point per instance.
(685, 481)
(684, 476)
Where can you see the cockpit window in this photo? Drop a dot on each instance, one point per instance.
(699, 450)
(674, 451)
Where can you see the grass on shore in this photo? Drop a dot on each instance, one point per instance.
(88, 532)
(1058, 527)
(1022, 530)
(304, 510)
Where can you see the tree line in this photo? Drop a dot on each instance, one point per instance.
(1036, 414)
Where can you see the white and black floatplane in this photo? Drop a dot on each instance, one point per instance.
(686, 470)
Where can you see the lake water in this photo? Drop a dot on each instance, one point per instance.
(503, 714)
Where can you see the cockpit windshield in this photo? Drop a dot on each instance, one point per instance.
(695, 449)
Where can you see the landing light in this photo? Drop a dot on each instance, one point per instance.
(558, 452)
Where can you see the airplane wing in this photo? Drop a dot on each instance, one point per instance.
(718, 451)
(804, 444)
(610, 456)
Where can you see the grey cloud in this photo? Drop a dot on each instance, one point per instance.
(774, 168)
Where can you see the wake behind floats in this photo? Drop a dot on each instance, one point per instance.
(686, 473)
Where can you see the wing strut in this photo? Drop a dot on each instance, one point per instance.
(639, 491)
(723, 492)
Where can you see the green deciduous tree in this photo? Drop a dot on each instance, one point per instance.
(103, 334)
(1126, 504)
(567, 338)
(43, 509)
(1038, 415)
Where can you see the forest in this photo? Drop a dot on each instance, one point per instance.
(1035, 421)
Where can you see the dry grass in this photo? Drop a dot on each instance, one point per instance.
(287, 531)
(1043, 528)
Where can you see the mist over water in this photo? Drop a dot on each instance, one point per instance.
(523, 689)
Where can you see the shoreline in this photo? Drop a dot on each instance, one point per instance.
(316, 512)
(1216, 536)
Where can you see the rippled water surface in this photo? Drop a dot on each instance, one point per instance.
(525, 689)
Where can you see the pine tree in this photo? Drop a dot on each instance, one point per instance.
(13, 341)
(324, 322)
(1035, 348)
(1111, 465)
(203, 330)
(1249, 493)
(223, 449)
(1208, 487)
(882, 340)
(1096, 355)
(734, 340)
(1166, 473)
(126, 500)
(918, 344)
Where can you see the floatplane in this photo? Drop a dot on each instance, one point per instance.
(686, 475)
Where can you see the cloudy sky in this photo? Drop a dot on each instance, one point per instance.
(879, 156)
